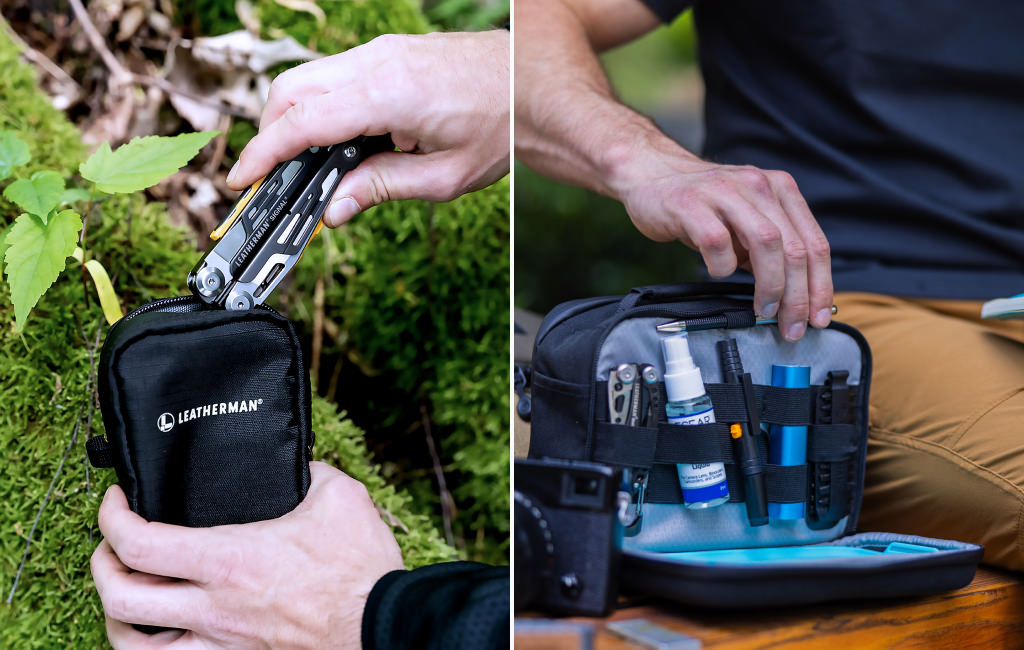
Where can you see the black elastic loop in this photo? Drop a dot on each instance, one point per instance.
(783, 484)
(793, 407)
(830, 442)
(698, 443)
(99, 452)
(624, 446)
(740, 319)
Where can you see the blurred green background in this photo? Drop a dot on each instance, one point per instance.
(572, 243)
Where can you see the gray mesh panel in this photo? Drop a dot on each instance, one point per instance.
(636, 341)
(671, 527)
(668, 527)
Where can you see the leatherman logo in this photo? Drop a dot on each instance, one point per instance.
(166, 421)
(257, 235)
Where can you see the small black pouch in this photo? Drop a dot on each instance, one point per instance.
(207, 413)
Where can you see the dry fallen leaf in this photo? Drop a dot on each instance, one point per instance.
(241, 49)
(247, 15)
(189, 77)
(113, 121)
(130, 22)
(308, 6)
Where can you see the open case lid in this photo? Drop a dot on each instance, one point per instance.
(865, 565)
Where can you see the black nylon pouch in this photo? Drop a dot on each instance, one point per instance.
(207, 413)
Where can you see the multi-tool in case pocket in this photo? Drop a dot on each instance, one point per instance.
(207, 413)
(764, 522)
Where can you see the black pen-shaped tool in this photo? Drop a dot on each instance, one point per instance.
(713, 322)
(749, 459)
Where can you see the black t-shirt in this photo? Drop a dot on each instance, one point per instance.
(901, 121)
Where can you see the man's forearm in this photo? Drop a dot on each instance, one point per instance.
(569, 126)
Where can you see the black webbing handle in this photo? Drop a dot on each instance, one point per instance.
(669, 292)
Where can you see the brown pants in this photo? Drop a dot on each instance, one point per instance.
(946, 449)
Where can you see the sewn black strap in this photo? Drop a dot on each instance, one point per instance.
(833, 442)
(783, 484)
(793, 407)
(99, 452)
(776, 405)
(704, 443)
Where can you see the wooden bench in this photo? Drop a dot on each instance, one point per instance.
(987, 614)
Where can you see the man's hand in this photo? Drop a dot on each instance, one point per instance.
(570, 126)
(444, 98)
(299, 581)
(736, 217)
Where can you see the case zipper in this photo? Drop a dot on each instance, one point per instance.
(161, 304)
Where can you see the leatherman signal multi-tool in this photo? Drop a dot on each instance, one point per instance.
(271, 223)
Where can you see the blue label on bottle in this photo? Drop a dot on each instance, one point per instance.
(699, 495)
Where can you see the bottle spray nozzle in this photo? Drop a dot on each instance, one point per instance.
(677, 354)
(682, 376)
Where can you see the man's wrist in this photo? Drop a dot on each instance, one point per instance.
(625, 160)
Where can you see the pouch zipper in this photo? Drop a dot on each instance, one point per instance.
(161, 303)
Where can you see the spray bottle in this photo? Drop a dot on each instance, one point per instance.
(704, 484)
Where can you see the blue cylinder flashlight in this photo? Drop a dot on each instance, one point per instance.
(788, 445)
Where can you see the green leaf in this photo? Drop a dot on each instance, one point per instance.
(37, 195)
(35, 257)
(74, 195)
(3, 241)
(13, 152)
(143, 162)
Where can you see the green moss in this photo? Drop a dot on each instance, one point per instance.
(56, 604)
(421, 294)
(347, 23)
(342, 444)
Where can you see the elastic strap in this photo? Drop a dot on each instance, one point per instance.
(99, 452)
(792, 407)
(624, 446)
(783, 484)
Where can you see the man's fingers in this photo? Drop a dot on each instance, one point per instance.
(123, 636)
(819, 262)
(313, 78)
(762, 238)
(318, 120)
(764, 190)
(712, 239)
(131, 598)
(394, 176)
(156, 548)
(789, 252)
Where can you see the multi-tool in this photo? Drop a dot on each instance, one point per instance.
(631, 402)
(272, 222)
(634, 399)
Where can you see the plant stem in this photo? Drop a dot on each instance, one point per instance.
(42, 506)
(81, 243)
(447, 501)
